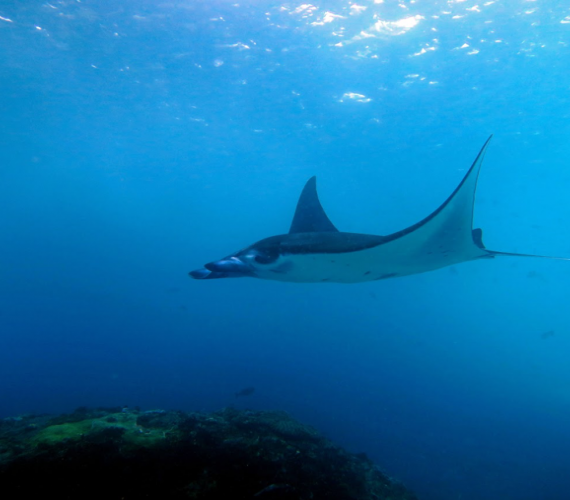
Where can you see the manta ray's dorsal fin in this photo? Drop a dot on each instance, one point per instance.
(309, 215)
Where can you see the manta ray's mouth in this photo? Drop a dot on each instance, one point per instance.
(229, 265)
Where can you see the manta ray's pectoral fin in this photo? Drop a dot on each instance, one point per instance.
(309, 215)
(447, 234)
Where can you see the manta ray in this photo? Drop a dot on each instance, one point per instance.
(315, 251)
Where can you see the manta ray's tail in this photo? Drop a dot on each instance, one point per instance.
(478, 240)
(512, 254)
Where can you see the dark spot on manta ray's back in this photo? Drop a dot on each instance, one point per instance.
(246, 391)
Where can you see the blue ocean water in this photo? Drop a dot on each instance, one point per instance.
(140, 140)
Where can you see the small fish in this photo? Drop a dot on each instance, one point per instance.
(535, 275)
(548, 334)
(246, 391)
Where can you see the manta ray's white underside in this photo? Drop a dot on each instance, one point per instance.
(404, 256)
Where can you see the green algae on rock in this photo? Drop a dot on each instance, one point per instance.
(119, 453)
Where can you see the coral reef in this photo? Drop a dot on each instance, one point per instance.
(121, 453)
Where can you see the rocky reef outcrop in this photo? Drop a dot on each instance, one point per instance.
(121, 453)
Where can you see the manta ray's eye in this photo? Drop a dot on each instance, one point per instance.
(266, 257)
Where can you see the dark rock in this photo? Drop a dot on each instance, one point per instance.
(118, 453)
